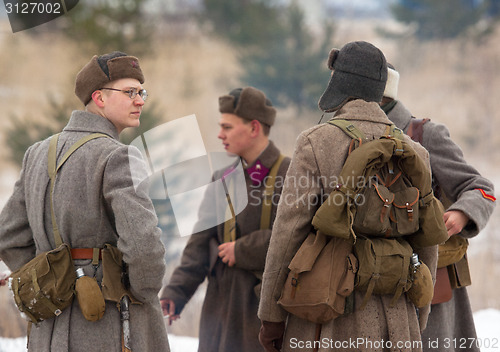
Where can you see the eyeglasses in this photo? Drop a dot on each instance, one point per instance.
(132, 92)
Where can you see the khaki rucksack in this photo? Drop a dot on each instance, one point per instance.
(321, 277)
(387, 208)
(381, 179)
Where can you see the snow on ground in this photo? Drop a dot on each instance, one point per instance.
(488, 329)
(487, 326)
(177, 344)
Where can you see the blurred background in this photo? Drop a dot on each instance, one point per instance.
(193, 51)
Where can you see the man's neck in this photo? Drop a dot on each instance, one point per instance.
(251, 156)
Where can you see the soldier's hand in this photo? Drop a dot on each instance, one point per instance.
(3, 278)
(226, 253)
(455, 221)
(168, 308)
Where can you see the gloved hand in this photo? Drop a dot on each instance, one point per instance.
(271, 335)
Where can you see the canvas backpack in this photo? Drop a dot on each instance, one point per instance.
(383, 202)
(376, 164)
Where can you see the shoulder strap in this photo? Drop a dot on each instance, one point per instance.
(53, 167)
(265, 215)
(357, 135)
(351, 130)
(416, 129)
(230, 224)
(395, 132)
(348, 127)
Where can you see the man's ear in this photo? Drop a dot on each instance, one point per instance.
(256, 127)
(97, 97)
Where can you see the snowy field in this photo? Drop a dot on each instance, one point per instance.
(177, 344)
(487, 326)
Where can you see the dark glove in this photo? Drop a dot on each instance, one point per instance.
(271, 335)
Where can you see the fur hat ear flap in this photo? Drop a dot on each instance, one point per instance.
(334, 53)
(226, 104)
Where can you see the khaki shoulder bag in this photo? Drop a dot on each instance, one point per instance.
(321, 277)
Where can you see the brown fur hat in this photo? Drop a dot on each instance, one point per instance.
(103, 69)
(248, 103)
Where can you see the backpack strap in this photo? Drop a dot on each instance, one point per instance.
(394, 132)
(53, 167)
(355, 133)
(265, 215)
(351, 130)
(373, 280)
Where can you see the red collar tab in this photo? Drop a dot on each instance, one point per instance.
(257, 172)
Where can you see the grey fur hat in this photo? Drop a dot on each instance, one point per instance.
(359, 72)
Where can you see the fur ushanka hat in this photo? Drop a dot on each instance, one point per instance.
(359, 71)
(391, 87)
(248, 103)
(103, 69)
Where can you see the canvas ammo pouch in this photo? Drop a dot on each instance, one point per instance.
(383, 267)
(452, 251)
(321, 277)
(44, 286)
(381, 211)
(114, 276)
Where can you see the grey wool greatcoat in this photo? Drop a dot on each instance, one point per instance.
(318, 159)
(95, 203)
(460, 182)
(229, 320)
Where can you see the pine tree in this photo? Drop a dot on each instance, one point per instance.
(443, 19)
(277, 51)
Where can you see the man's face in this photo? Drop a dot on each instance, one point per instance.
(119, 108)
(236, 135)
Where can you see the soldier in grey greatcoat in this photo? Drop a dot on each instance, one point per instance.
(95, 202)
(471, 204)
(233, 261)
(355, 89)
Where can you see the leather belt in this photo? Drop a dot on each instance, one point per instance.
(84, 253)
